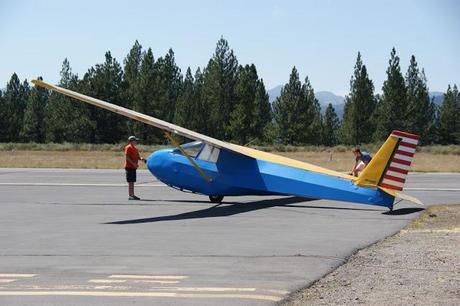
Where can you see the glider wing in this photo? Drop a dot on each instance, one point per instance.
(175, 129)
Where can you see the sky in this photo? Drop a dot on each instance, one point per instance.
(320, 38)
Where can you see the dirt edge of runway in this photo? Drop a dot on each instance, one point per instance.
(417, 266)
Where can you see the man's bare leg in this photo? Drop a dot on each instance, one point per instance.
(131, 189)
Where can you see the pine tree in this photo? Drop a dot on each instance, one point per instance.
(449, 118)
(14, 102)
(131, 74)
(392, 108)
(358, 126)
(284, 109)
(34, 116)
(219, 82)
(242, 118)
(3, 123)
(146, 99)
(310, 115)
(168, 85)
(331, 126)
(66, 119)
(420, 115)
(263, 116)
(186, 106)
(104, 81)
(132, 69)
(297, 113)
(202, 112)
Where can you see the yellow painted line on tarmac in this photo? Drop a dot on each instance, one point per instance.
(283, 292)
(6, 280)
(203, 289)
(132, 276)
(79, 184)
(143, 294)
(430, 189)
(152, 281)
(103, 287)
(16, 275)
(105, 281)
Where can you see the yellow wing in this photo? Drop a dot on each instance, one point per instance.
(172, 128)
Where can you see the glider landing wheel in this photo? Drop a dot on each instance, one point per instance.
(216, 199)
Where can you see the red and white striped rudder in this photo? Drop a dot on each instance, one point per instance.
(396, 172)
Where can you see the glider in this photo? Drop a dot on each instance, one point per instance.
(217, 168)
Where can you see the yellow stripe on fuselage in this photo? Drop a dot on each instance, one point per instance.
(278, 159)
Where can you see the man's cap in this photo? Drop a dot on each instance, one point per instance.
(131, 138)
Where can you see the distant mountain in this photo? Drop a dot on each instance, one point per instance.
(274, 93)
(326, 97)
(438, 97)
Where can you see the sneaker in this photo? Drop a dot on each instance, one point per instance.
(133, 197)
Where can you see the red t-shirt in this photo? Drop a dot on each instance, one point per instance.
(131, 152)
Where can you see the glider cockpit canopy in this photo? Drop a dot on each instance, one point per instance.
(200, 150)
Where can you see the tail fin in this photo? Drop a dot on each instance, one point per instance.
(389, 168)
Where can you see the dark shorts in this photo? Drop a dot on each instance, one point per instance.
(130, 175)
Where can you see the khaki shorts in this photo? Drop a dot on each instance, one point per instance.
(360, 167)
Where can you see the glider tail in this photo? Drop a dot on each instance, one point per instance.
(388, 169)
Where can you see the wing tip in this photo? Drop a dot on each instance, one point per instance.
(41, 84)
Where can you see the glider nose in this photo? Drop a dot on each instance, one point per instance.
(157, 163)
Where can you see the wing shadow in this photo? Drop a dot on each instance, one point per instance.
(225, 210)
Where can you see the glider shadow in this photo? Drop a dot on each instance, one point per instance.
(403, 211)
(225, 210)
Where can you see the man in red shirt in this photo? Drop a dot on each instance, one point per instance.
(132, 158)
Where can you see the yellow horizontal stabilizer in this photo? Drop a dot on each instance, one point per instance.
(403, 196)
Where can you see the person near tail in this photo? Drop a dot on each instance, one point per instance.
(132, 158)
(362, 159)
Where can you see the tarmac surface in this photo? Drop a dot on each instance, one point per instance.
(71, 237)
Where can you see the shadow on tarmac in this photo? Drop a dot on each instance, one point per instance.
(403, 211)
(229, 209)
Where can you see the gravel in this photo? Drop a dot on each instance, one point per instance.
(418, 266)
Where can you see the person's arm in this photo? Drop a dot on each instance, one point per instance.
(354, 167)
(140, 157)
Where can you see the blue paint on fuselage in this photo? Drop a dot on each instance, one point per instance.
(173, 168)
(235, 174)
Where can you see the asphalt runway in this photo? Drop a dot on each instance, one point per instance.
(71, 237)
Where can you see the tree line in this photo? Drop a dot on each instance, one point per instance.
(225, 100)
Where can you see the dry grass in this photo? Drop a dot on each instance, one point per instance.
(63, 159)
(437, 217)
(343, 161)
(113, 159)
